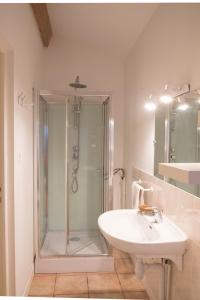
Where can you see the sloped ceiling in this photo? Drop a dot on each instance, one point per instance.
(110, 27)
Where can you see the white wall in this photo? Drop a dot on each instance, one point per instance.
(63, 63)
(166, 52)
(100, 71)
(18, 27)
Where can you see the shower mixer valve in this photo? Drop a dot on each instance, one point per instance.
(75, 154)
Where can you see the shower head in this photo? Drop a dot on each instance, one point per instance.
(77, 84)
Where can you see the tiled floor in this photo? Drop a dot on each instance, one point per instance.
(122, 284)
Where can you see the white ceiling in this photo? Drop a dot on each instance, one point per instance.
(111, 27)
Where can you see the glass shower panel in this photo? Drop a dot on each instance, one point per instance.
(107, 152)
(56, 167)
(55, 161)
(43, 180)
(85, 184)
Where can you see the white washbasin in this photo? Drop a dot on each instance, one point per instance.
(128, 231)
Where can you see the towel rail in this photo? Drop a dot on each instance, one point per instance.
(119, 170)
(143, 188)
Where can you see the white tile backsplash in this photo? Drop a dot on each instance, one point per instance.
(184, 209)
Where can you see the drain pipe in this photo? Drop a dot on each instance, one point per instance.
(165, 280)
(168, 279)
(162, 284)
(165, 283)
(139, 268)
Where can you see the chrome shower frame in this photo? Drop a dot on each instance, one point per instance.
(107, 204)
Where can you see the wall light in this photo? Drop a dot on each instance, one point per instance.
(183, 106)
(166, 98)
(150, 105)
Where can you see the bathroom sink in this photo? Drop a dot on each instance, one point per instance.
(134, 233)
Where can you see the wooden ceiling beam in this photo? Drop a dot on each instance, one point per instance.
(44, 25)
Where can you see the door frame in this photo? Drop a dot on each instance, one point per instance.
(7, 102)
(2, 206)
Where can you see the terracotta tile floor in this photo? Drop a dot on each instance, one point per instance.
(122, 284)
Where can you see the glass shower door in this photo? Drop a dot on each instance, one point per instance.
(43, 174)
(85, 176)
(52, 178)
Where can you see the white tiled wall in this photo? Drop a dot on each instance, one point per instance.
(184, 209)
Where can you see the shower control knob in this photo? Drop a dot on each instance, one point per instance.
(172, 157)
(75, 156)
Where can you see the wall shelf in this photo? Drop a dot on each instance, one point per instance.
(184, 172)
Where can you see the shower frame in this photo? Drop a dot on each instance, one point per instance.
(108, 156)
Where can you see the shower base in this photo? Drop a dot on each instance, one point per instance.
(79, 243)
(84, 252)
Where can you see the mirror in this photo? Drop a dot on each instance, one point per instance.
(177, 135)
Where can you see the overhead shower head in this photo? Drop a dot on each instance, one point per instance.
(77, 84)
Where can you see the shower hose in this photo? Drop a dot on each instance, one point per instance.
(74, 186)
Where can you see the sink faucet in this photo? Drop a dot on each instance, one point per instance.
(158, 218)
(151, 211)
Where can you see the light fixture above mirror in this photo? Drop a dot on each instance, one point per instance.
(150, 104)
(183, 106)
(169, 95)
(166, 97)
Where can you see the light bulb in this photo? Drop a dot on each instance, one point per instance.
(183, 106)
(150, 106)
(166, 99)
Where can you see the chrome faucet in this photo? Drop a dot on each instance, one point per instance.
(157, 213)
(153, 211)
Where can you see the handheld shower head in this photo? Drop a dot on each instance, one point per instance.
(77, 84)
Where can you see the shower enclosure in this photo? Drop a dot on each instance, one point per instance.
(74, 180)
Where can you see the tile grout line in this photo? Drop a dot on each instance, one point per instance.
(121, 286)
(63, 294)
(55, 285)
(117, 273)
(135, 291)
(87, 283)
(108, 291)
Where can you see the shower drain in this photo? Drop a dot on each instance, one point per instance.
(74, 239)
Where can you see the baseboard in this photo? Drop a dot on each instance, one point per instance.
(29, 281)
